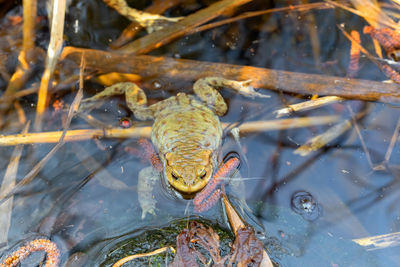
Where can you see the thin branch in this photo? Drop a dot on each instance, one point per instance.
(136, 132)
(183, 69)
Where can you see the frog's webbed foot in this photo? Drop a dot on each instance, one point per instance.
(147, 179)
(205, 89)
(152, 22)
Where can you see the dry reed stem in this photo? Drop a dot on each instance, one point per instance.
(28, 30)
(136, 132)
(7, 184)
(25, 57)
(379, 241)
(157, 7)
(37, 168)
(236, 223)
(141, 255)
(53, 51)
(172, 32)
(307, 105)
(189, 70)
(303, 7)
(373, 13)
(321, 140)
(370, 12)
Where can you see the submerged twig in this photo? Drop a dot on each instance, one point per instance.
(7, 184)
(321, 140)
(379, 241)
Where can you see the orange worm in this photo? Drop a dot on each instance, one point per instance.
(208, 191)
(354, 55)
(53, 254)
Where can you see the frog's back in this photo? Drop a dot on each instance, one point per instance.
(186, 126)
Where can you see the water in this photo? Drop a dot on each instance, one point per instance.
(310, 207)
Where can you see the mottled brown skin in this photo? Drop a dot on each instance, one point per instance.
(187, 136)
(186, 132)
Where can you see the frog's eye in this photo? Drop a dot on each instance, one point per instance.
(174, 175)
(203, 174)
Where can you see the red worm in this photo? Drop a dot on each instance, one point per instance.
(150, 154)
(388, 38)
(209, 202)
(203, 198)
(53, 254)
(391, 73)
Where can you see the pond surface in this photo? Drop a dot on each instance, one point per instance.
(306, 210)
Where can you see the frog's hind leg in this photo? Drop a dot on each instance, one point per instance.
(147, 179)
(135, 99)
(205, 89)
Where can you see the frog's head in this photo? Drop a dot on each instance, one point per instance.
(189, 174)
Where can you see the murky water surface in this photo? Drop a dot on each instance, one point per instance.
(307, 210)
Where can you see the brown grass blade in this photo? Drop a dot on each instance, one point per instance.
(303, 7)
(172, 32)
(370, 12)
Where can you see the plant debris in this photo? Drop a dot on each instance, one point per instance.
(199, 244)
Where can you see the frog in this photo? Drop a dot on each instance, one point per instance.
(186, 133)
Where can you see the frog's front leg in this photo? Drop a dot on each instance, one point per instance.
(135, 99)
(147, 179)
(205, 89)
